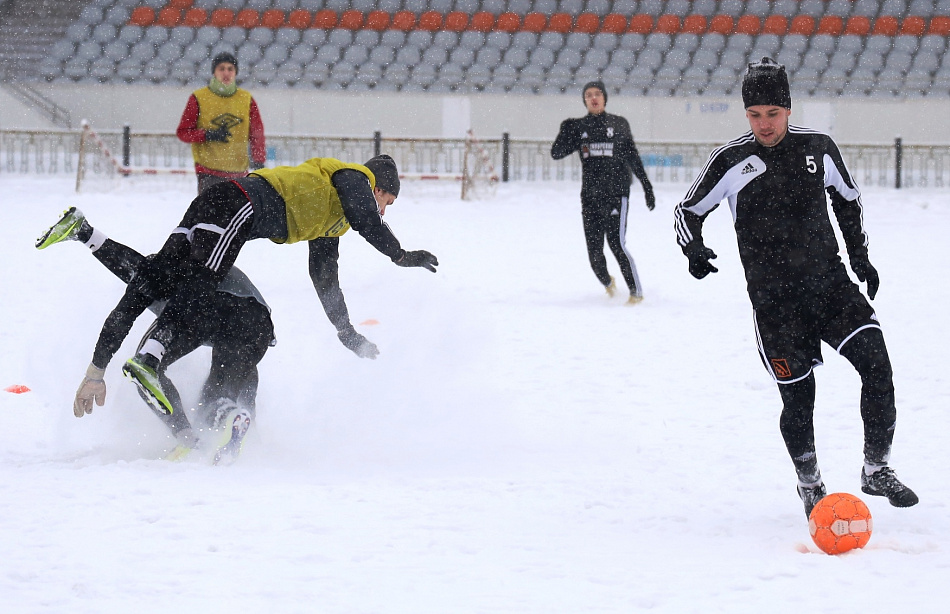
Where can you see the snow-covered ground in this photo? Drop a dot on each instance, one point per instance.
(522, 444)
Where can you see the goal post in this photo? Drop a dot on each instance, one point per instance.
(478, 179)
(96, 159)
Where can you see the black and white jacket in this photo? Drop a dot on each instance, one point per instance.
(777, 197)
(608, 153)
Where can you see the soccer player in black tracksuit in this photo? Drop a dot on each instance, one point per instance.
(775, 178)
(608, 157)
(236, 325)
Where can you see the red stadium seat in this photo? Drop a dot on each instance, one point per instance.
(181, 5)
(508, 22)
(668, 24)
(299, 19)
(168, 17)
(614, 24)
(939, 25)
(273, 19)
(430, 21)
(695, 24)
(324, 19)
(587, 23)
(142, 16)
(195, 18)
(351, 19)
(775, 24)
(640, 24)
(802, 24)
(534, 22)
(886, 25)
(221, 18)
(247, 18)
(404, 20)
(830, 24)
(377, 20)
(456, 21)
(748, 24)
(560, 22)
(482, 21)
(858, 25)
(913, 26)
(722, 24)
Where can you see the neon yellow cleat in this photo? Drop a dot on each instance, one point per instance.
(145, 378)
(63, 230)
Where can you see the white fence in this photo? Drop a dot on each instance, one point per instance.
(57, 151)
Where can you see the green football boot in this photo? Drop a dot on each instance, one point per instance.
(142, 370)
(66, 229)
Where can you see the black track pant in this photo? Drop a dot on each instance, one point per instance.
(868, 354)
(199, 254)
(239, 331)
(606, 216)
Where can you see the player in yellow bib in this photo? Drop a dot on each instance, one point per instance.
(222, 122)
(316, 201)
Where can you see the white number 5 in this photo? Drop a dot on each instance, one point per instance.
(810, 164)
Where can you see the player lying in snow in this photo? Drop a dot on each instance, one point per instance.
(237, 327)
(317, 202)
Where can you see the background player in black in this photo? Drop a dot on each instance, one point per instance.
(236, 325)
(608, 158)
(775, 178)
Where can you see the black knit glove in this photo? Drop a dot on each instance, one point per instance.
(152, 280)
(218, 135)
(699, 256)
(420, 258)
(865, 272)
(648, 194)
(357, 343)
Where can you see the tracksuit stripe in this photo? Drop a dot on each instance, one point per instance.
(224, 243)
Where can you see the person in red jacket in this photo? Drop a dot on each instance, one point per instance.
(222, 122)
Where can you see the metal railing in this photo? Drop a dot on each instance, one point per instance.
(56, 152)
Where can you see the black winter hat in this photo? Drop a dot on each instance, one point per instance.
(766, 82)
(224, 56)
(599, 85)
(384, 169)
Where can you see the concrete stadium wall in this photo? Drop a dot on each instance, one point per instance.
(314, 112)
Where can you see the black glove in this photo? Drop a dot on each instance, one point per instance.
(650, 198)
(357, 343)
(418, 258)
(571, 129)
(152, 280)
(699, 256)
(256, 166)
(218, 135)
(865, 272)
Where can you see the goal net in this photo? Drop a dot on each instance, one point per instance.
(100, 170)
(478, 179)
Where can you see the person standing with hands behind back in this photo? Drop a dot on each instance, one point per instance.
(608, 158)
(221, 121)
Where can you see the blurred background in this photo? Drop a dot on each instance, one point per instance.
(875, 74)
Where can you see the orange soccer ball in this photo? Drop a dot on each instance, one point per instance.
(840, 522)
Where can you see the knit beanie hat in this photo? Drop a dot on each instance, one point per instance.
(224, 56)
(766, 83)
(384, 169)
(599, 85)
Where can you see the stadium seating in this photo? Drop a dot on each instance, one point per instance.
(653, 47)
